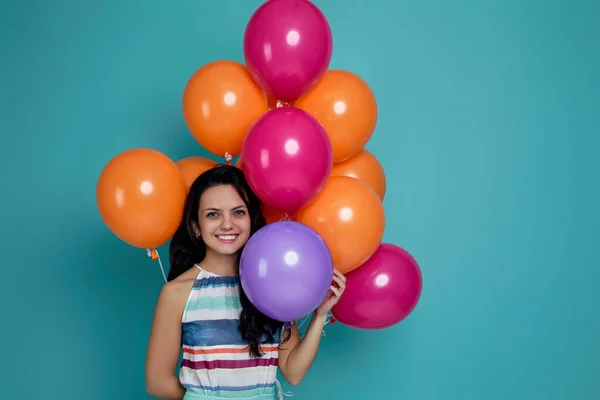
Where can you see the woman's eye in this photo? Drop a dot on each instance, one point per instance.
(211, 215)
(240, 212)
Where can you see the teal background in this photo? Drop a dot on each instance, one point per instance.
(488, 131)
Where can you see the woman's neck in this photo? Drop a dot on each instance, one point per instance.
(220, 264)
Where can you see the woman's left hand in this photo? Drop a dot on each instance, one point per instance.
(335, 292)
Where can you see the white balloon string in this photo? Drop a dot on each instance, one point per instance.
(153, 254)
(303, 321)
(280, 392)
(323, 333)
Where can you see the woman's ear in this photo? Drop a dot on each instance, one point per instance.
(196, 229)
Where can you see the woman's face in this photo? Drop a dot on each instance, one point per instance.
(223, 218)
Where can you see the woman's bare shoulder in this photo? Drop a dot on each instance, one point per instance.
(176, 292)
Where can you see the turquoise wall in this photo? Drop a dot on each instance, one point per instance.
(489, 125)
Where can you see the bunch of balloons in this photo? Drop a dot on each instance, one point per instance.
(300, 130)
(306, 159)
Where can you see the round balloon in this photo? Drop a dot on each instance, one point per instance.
(346, 107)
(382, 292)
(349, 216)
(365, 167)
(287, 47)
(192, 167)
(140, 195)
(286, 158)
(220, 102)
(286, 270)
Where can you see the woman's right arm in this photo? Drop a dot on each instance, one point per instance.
(165, 343)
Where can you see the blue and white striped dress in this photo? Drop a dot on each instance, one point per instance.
(216, 360)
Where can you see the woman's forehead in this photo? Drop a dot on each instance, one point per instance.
(221, 197)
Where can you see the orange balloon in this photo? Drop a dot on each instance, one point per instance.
(192, 167)
(220, 102)
(140, 195)
(346, 107)
(349, 216)
(365, 167)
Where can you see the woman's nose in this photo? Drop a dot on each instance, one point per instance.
(226, 223)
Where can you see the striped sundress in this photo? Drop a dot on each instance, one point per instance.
(216, 361)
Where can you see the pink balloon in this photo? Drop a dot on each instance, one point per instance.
(381, 292)
(287, 158)
(287, 47)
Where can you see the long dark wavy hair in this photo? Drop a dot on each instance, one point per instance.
(187, 248)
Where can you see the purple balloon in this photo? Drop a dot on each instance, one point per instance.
(287, 47)
(286, 270)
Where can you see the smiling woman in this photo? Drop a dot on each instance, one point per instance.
(223, 219)
(230, 349)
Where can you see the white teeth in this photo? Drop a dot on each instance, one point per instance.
(227, 237)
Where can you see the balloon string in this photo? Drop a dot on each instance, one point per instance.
(280, 392)
(228, 158)
(153, 254)
(303, 321)
(285, 217)
(330, 320)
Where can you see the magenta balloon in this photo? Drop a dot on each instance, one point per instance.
(287, 158)
(287, 47)
(286, 270)
(381, 292)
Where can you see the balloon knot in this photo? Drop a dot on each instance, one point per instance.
(152, 253)
(287, 325)
(332, 320)
(281, 103)
(228, 158)
(286, 217)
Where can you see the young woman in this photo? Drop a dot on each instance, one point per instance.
(230, 349)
